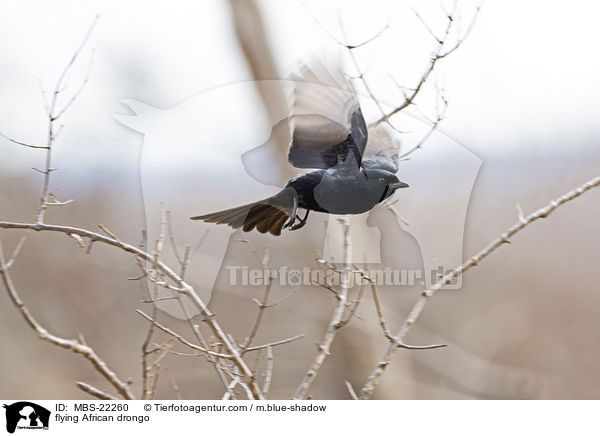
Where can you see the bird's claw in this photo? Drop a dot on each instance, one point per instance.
(291, 223)
(301, 223)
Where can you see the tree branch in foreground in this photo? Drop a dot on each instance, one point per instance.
(74, 345)
(336, 317)
(184, 288)
(95, 392)
(426, 295)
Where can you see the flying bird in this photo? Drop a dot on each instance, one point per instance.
(353, 167)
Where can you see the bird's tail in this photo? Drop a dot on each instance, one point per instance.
(268, 215)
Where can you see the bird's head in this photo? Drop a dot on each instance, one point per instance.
(385, 178)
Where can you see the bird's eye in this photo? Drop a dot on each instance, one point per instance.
(381, 180)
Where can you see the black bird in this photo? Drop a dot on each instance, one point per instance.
(353, 172)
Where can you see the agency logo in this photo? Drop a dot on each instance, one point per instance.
(25, 415)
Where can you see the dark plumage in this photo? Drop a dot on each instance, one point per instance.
(353, 172)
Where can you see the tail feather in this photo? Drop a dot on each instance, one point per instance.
(224, 214)
(264, 215)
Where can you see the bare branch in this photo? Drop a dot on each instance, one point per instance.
(336, 317)
(186, 260)
(163, 234)
(53, 113)
(431, 32)
(186, 289)
(278, 302)
(437, 55)
(229, 389)
(8, 265)
(353, 307)
(269, 372)
(52, 117)
(386, 331)
(73, 345)
(155, 376)
(95, 392)
(274, 344)
(361, 75)
(169, 218)
(78, 239)
(78, 92)
(261, 306)
(59, 203)
(195, 328)
(351, 390)
(181, 339)
(433, 125)
(145, 352)
(155, 300)
(44, 98)
(344, 43)
(448, 278)
(24, 144)
(368, 40)
(59, 83)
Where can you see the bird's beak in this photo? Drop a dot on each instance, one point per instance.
(398, 185)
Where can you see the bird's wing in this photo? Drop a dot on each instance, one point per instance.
(383, 149)
(325, 117)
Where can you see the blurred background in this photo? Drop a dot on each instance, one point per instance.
(523, 96)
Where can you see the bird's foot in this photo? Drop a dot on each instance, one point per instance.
(301, 222)
(292, 214)
(291, 222)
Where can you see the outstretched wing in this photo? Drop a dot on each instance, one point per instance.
(383, 149)
(325, 117)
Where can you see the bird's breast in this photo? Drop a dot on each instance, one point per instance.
(348, 195)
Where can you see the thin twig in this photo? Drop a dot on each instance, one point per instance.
(155, 376)
(354, 307)
(169, 218)
(437, 55)
(336, 317)
(186, 289)
(52, 117)
(145, 352)
(95, 392)
(269, 372)
(193, 326)
(261, 306)
(229, 389)
(361, 74)
(276, 343)
(351, 390)
(86, 78)
(449, 277)
(24, 144)
(73, 345)
(181, 339)
(8, 265)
